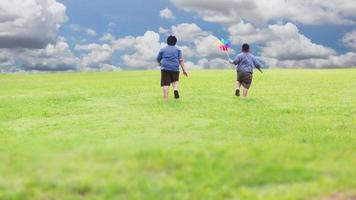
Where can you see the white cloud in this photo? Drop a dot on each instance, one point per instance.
(284, 42)
(145, 49)
(296, 49)
(137, 52)
(90, 32)
(188, 32)
(343, 60)
(281, 44)
(30, 23)
(167, 14)
(262, 11)
(124, 43)
(81, 29)
(284, 46)
(6, 57)
(188, 51)
(7, 61)
(349, 39)
(107, 37)
(162, 30)
(29, 36)
(55, 57)
(216, 63)
(247, 33)
(97, 57)
(205, 47)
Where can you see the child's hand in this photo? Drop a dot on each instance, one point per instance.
(185, 73)
(231, 61)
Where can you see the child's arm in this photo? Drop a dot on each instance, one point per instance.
(257, 64)
(159, 57)
(182, 65)
(236, 61)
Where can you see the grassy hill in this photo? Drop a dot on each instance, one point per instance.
(110, 136)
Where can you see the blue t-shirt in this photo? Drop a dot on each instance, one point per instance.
(169, 57)
(245, 62)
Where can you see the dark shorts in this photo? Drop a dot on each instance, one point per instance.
(245, 78)
(168, 77)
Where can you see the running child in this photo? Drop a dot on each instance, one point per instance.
(245, 62)
(170, 58)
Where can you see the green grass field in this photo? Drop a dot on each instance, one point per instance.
(110, 136)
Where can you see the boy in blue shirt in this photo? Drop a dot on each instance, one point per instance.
(170, 58)
(245, 62)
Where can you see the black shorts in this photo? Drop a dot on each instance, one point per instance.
(168, 77)
(245, 78)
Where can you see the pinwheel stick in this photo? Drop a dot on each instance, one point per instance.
(228, 55)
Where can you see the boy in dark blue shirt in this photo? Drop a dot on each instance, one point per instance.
(245, 62)
(170, 58)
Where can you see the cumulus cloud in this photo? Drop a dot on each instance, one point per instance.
(145, 51)
(349, 39)
(55, 57)
(125, 43)
(332, 61)
(29, 39)
(198, 46)
(82, 29)
(261, 11)
(281, 45)
(205, 47)
(167, 14)
(215, 63)
(7, 61)
(162, 30)
(5, 57)
(247, 33)
(270, 25)
(97, 56)
(188, 32)
(296, 49)
(107, 37)
(31, 23)
(284, 42)
(136, 52)
(284, 46)
(29, 36)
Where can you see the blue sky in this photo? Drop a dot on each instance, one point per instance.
(58, 35)
(131, 17)
(135, 17)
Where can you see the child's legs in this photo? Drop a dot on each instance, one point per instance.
(175, 85)
(246, 86)
(245, 91)
(165, 92)
(246, 83)
(238, 85)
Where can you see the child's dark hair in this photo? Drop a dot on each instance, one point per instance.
(172, 40)
(245, 48)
